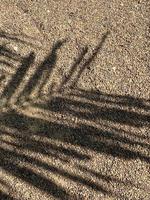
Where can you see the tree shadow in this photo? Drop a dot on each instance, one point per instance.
(85, 106)
(105, 142)
(81, 63)
(94, 112)
(43, 71)
(19, 38)
(13, 84)
(5, 196)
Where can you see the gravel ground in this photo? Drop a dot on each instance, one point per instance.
(74, 100)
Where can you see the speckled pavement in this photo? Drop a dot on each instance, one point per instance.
(74, 100)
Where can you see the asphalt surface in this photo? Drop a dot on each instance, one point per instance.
(74, 100)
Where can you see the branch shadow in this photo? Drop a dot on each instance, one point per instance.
(5, 196)
(94, 112)
(11, 87)
(91, 106)
(43, 71)
(25, 40)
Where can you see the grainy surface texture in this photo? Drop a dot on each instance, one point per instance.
(74, 100)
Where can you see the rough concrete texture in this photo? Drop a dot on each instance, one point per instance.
(74, 99)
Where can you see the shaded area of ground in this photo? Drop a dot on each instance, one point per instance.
(69, 142)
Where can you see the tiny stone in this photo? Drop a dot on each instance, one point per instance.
(69, 21)
(15, 48)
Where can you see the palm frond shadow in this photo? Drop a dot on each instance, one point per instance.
(87, 107)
